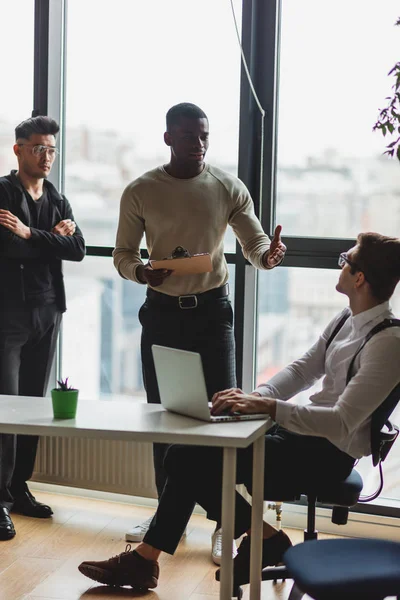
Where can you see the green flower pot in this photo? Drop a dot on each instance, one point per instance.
(64, 403)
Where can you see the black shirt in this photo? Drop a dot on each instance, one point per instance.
(39, 283)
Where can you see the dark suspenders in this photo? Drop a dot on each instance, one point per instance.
(385, 324)
(338, 328)
(380, 327)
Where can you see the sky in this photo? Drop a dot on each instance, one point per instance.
(129, 61)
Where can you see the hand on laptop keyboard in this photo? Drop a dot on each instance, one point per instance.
(227, 412)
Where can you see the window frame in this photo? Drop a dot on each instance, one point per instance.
(257, 165)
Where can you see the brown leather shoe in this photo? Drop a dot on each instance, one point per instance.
(273, 550)
(127, 568)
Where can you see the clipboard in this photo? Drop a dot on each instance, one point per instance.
(187, 265)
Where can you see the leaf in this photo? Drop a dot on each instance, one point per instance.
(63, 385)
(389, 117)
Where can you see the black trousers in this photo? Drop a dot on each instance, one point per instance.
(206, 329)
(195, 476)
(27, 344)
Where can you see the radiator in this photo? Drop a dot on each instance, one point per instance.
(106, 465)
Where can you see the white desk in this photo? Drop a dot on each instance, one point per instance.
(151, 423)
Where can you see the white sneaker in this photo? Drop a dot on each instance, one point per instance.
(216, 548)
(137, 533)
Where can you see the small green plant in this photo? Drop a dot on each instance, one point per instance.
(389, 117)
(63, 385)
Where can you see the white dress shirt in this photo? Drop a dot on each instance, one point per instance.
(338, 412)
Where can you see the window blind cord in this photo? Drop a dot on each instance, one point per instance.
(253, 91)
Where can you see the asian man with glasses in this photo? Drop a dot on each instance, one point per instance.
(37, 232)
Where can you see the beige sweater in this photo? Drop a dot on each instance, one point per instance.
(193, 213)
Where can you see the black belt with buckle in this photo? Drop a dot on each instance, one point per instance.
(189, 300)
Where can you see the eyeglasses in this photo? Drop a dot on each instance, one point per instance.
(39, 149)
(342, 260)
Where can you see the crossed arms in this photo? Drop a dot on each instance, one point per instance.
(64, 242)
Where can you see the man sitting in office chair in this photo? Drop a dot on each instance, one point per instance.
(321, 440)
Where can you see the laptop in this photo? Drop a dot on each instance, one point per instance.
(182, 386)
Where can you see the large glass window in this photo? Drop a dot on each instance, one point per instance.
(101, 333)
(332, 179)
(127, 63)
(295, 305)
(16, 50)
(100, 343)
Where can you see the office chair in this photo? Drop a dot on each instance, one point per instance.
(345, 569)
(340, 495)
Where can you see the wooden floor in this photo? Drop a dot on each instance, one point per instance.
(40, 563)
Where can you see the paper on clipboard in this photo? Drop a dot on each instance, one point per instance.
(187, 265)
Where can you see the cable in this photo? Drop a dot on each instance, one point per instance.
(253, 91)
(260, 108)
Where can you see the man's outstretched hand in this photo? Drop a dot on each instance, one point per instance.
(276, 251)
